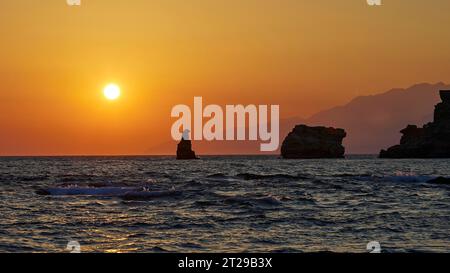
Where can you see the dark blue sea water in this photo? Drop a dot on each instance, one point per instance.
(226, 204)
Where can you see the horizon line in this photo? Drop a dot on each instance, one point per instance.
(156, 155)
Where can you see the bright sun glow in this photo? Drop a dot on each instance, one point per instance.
(111, 91)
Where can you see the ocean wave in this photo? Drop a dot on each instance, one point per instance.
(148, 195)
(107, 189)
(252, 176)
(397, 178)
(76, 178)
(249, 200)
(417, 178)
(92, 191)
(34, 178)
(353, 175)
(22, 178)
(158, 249)
(217, 175)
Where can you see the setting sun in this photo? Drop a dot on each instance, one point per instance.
(111, 91)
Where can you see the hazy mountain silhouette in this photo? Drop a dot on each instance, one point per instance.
(372, 122)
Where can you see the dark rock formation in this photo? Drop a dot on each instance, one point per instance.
(440, 181)
(184, 150)
(313, 142)
(431, 141)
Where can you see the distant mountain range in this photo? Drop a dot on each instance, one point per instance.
(372, 122)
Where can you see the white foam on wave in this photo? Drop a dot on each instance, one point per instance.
(408, 178)
(127, 193)
(412, 177)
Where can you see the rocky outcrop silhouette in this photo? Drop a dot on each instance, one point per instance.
(184, 150)
(313, 142)
(430, 141)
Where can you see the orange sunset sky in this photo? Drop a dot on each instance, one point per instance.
(305, 55)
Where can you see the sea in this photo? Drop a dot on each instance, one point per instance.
(259, 204)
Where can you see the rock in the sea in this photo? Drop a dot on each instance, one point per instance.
(184, 150)
(431, 141)
(440, 181)
(313, 142)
